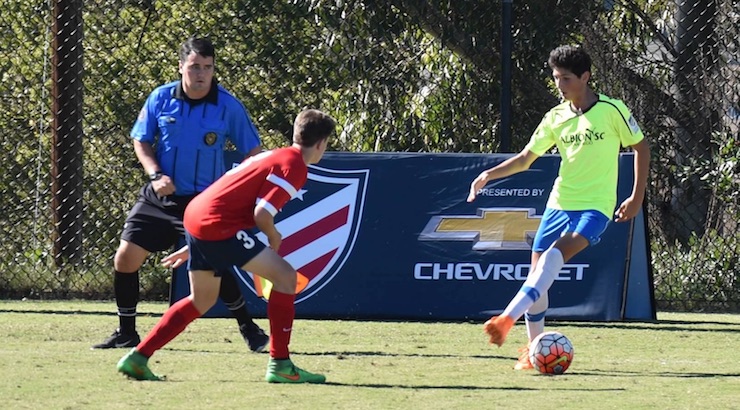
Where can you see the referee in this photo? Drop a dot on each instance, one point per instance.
(189, 122)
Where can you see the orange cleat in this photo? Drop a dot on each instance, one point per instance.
(523, 363)
(497, 328)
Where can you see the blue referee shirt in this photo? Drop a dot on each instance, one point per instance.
(191, 134)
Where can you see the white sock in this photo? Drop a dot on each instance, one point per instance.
(538, 282)
(535, 317)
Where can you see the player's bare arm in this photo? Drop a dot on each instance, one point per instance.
(164, 185)
(266, 223)
(631, 206)
(518, 163)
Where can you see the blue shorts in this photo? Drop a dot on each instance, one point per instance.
(219, 256)
(556, 223)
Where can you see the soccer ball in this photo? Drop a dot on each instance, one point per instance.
(551, 353)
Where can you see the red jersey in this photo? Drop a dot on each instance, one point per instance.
(270, 179)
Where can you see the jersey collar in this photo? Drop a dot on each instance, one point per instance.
(211, 97)
(581, 112)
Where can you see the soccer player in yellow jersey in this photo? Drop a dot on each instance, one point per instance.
(588, 130)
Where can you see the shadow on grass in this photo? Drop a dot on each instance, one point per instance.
(658, 325)
(592, 372)
(653, 325)
(345, 354)
(465, 387)
(661, 326)
(680, 375)
(111, 312)
(340, 355)
(415, 387)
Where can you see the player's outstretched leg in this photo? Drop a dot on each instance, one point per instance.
(523, 363)
(284, 371)
(498, 328)
(134, 365)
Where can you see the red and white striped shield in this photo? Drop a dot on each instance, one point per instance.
(319, 228)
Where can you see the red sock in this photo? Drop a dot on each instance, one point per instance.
(172, 323)
(281, 312)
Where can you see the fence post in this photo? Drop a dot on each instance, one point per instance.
(66, 153)
(696, 56)
(506, 40)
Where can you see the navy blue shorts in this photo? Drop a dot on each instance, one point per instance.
(219, 256)
(556, 223)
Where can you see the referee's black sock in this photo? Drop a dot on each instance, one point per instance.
(234, 300)
(126, 290)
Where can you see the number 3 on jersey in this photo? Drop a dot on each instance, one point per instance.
(247, 241)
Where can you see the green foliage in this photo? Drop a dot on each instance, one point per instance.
(724, 175)
(705, 271)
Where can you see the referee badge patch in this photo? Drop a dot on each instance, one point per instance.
(210, 138)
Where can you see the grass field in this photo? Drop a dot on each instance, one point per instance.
(683, 361)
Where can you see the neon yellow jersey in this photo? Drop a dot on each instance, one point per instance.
(589, 145)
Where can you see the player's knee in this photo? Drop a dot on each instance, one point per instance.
(123, 264)
(129, 257)
(286, 281)
(570, 245)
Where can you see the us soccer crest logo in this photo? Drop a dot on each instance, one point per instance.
(319, 227)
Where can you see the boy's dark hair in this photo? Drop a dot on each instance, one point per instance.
(570, 57)
(311, 126)
(200, 45)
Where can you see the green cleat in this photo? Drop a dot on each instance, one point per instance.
(134, 365)
(284, 371)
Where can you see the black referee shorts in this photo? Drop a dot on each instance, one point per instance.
(155, 223)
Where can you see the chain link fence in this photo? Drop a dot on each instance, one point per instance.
(399, 75)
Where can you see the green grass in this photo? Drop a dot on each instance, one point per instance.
(683, 361)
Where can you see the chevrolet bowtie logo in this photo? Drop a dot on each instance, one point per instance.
(490, 229)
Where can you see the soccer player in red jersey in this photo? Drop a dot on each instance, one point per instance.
(220, 224)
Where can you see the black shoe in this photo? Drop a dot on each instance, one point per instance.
(118, 339)
(254, 336)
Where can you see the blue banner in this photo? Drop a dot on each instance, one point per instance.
(391, 236)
